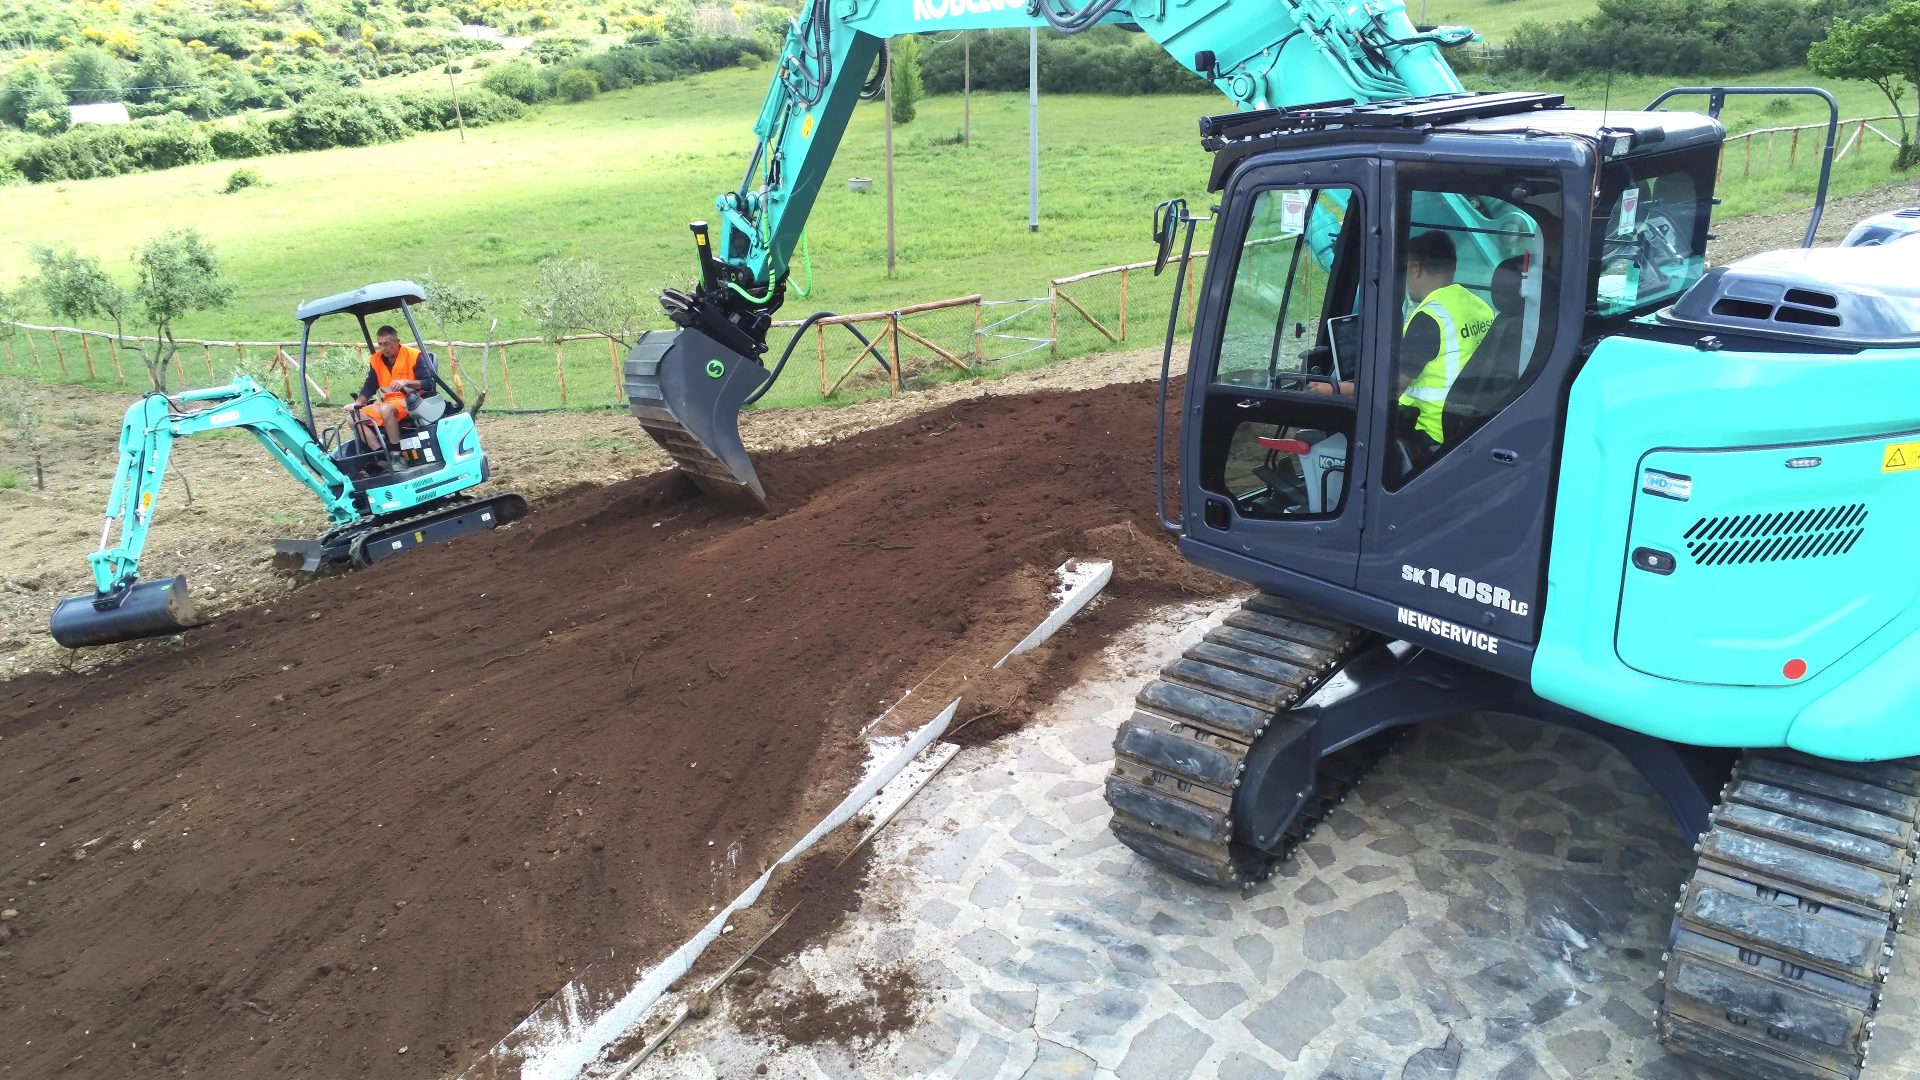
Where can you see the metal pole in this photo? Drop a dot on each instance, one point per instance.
(966, 91)
(456, 98)
(889, 108)
(1033, 129)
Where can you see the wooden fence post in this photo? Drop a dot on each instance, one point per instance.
(179, 365)
(206, 353)
(619, 376)
(1053, 302)
(893, 329)
(37, 368)
(979, 309)
(820, 333)
(453, 360)
(285, 363)
(1793, 149)
(119, 373)
(239, 357)
(1747, 169)
(560, 372)
(86, 350)
(57, 354)
(505, 377)
(1123, 303)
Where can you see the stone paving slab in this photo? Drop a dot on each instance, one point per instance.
(1491, 902)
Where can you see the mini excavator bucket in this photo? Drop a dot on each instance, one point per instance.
(146, 609)
(687, 390)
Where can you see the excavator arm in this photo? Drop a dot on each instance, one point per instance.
(121, 606)
(687, 386)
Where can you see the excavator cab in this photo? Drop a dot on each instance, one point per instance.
(1332, 444)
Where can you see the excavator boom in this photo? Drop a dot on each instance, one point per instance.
(687, 386)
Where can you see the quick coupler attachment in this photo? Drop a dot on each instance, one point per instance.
(145, 609)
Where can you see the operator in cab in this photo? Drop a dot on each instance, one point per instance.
(394, 371)
(1446, 328)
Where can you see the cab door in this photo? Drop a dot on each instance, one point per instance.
(1459, 496)
(1274, 444)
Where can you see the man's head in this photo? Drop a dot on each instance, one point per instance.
(388, 341)
(1430, 261)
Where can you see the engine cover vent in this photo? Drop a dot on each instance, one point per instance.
(1776, 537)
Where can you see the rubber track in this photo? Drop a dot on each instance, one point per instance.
(1179, 758)
(1783, 938)
(464, 504)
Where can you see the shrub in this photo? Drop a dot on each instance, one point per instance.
(241, 179)
(171, 145)
(1659, 37)
(518, 80)
(1101, 61)
(47, 121)
(432, 110)
(577, 84)
(251, 139)
(341, 118)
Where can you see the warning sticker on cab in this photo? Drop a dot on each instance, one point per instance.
(1900, 457)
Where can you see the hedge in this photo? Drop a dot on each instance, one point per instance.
(1104, 60)
(1679, 37)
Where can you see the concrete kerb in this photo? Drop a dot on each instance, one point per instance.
(568, 1034)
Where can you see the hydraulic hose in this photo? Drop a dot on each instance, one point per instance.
(799, 332)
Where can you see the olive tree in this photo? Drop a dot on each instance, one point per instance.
(1881, 49)
(20, 412)
(75, 287)
(577, 296)
(178, 276)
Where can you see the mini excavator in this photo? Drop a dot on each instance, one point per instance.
(380, 500)
(1666, 505)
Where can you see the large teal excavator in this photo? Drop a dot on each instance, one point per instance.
(380, 499)
(1625, 494)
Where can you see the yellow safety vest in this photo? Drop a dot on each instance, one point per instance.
(1464, 320)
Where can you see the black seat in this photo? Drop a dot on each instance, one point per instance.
(1491, 374)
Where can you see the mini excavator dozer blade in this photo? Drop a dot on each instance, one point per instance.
(145, 609)
(687, 389)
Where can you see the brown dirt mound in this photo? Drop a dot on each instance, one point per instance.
(401, 807)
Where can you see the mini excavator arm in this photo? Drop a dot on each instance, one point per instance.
(687, 386)
(146, 444)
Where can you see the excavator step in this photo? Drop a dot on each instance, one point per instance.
(1783, 937)
(1179, 758)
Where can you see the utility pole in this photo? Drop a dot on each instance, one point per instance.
(966, 91)
(889, 108)
(1033, 129)
(456, 97)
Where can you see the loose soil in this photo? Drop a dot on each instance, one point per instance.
(399, 808)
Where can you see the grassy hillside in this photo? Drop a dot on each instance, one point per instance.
(616, 180)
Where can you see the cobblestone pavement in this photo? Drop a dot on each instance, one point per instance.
(1492, 902)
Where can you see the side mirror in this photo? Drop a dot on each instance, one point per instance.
(1166, 225)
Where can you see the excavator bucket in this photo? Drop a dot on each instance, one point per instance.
(687, 390)
(148, 609)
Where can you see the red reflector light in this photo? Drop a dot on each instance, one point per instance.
(1284, 446)
(1794, 669)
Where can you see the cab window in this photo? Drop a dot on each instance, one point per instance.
(1475, 255)
(1649, 240)
(1288, 360)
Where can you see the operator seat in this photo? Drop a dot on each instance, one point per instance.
(431, 406)
(1490, 376)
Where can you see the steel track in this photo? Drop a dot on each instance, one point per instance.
(1180, 758)
(1782, 940)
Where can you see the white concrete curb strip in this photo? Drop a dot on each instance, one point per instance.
(1080, 582)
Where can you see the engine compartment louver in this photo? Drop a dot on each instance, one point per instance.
(1778, 536)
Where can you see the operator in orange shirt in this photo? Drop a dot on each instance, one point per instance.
(394, 371)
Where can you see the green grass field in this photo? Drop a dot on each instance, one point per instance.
(617, 179)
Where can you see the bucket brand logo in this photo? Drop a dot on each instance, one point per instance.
(931, 10)
(715, 369)
(1448, 631)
